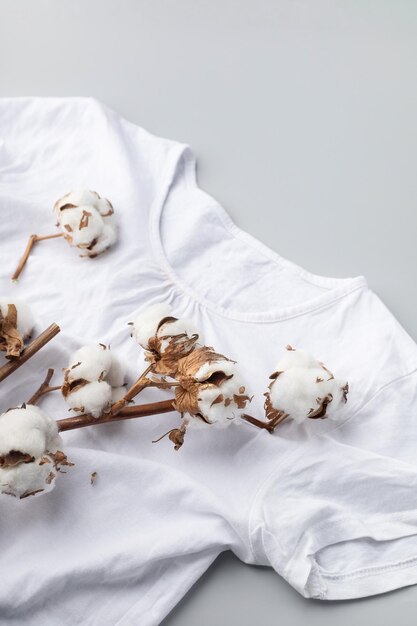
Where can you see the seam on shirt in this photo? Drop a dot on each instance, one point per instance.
(369, 571)
(344, 286)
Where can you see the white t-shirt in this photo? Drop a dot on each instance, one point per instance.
(332, 507)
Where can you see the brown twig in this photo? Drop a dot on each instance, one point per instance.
(32, 240)
(136, 388)
(130, 412)
(259, 423)
(29, 351)
(44, 388)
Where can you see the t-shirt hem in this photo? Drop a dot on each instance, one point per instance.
(306, 575)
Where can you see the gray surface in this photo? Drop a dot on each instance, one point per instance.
(303, 116)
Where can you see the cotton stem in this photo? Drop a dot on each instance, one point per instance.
(32, 240)
(136, 388)
(43, 389)
(29, 351)
(130, 412)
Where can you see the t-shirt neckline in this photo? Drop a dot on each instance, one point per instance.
(338, 287)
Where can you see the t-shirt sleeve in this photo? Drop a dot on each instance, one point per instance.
(338, 517)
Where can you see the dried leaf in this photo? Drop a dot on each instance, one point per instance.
(84, 219)
(218, 400)
(241, 400)
(31, 493)
(177, 437)
(15, 457)
(11, 340)
(50, 478)
(320, 412)
(272, 414)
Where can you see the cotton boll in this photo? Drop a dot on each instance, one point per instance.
(35, 478)
(304, 388)
(145, 324)
(29, 430)
(221, 405)
(25, 321)
(29, 452)
(116, 374)
(295, 358)
(210, 388)
(89, 363)
(165, 338)
(94, 398)
(92, 373)
(86, 221)
(175, 328)
(105, 207)
(81, 225)
(106, 239)
(76, 198)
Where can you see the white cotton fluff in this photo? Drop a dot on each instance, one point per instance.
(78, 197)
(87, 221)
(145, 324)
(89, 363)
(179, 327)
(107, 238)
(301, 385)
(222, 413)
(116, 374)
(25, 321)
(27, 478)
(29, 431)
(291, 358)
(94, 398)
(103, 371)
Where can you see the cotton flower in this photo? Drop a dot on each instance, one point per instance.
(210, 388)
(165, 338)
(30, 452)
(93, 380)
(87, 221)
(303, 387)
(16, 325)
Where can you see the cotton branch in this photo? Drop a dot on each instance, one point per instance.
(269, 426)
(144, 410)
(136, 388)
(32, 240)
(44, 388)
(29, 351)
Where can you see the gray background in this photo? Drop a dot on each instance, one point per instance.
(303, 116)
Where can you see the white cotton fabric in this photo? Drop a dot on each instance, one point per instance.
(332, 507)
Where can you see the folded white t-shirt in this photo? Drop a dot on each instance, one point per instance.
(331, 506)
